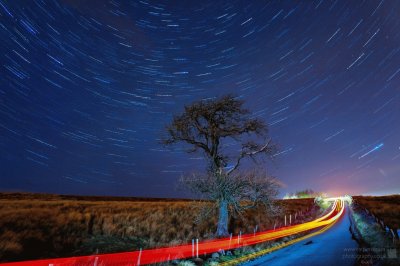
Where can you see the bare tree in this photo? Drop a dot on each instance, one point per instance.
(208, 126)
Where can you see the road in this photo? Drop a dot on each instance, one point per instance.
(157, 255)
(328, 248)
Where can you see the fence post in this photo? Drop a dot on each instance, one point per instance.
(393, 235)
(197, 247)
(382, 225)
(290, 218)
(255, 230)
(138, 260)
(239, 235)
(192, 247)
(285, 220)
(396, 233)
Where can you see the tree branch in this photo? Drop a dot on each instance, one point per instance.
(250, 153)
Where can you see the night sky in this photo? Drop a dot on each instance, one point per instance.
(87, 88)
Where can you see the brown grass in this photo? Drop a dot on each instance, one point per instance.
(36, 226)
(386, 208)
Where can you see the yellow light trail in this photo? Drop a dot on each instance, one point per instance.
(151, 256)
(337, 210)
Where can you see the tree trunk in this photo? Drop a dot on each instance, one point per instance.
(222, 228)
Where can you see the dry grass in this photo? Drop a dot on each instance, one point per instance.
(36, 226)
(386, 208)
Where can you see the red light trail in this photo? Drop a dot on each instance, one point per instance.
(186, 251)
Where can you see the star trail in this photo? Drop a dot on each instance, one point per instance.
(87, 87)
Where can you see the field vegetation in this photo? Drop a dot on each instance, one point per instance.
(34, 226)
(375, 240)
(386, 208)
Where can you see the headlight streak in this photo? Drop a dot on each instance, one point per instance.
(206, 247)
(269, 250)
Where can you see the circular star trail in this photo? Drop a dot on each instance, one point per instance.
(87, 88)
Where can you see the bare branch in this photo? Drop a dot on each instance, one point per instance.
(249, 149)
(207, 125)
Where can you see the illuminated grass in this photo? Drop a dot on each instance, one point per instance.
(43, 226)
(387, 208)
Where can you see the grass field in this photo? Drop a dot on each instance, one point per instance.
(386, 208)
(36, 226)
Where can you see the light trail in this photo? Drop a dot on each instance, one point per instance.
(377, 147)
(150, 256)
(271, 249)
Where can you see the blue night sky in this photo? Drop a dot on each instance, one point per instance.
(87, 88)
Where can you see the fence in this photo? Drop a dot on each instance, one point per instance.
(391, 232)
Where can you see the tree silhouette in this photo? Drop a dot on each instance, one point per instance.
(208, 124)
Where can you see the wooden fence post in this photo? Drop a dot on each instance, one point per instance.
(140, 255)
(382, 225)
(396, 233)
(393, 235)
(192, 248)
(197, 247)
